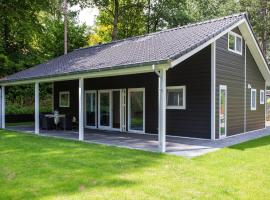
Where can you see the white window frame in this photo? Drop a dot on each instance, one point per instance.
(110, 109)
(262, 95)
(130, 90)
(183, 107)
(235, 35)
(223, 87)
(251, 107)
(60, 98)
(96, 120)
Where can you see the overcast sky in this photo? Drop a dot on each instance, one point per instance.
(86, 15)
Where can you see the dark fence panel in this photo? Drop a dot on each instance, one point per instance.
(14, 118)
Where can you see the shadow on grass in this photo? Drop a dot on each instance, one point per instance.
(34, 167)
(264, 141)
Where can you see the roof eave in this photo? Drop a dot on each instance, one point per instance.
(100, 72)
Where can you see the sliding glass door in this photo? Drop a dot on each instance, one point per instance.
(116, 106)
(104, 109)
(136, 110)
(91, 109)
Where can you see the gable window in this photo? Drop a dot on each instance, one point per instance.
(261, 96)
(64, 99)
(235, 43)
(253, 99)
(176, 97)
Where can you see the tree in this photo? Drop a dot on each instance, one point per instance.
(259, 15)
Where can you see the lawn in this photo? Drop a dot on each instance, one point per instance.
(33, 167)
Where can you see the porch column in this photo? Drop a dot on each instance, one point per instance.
(81, 98)
(3, 105)
(36, 108)
(162, 111)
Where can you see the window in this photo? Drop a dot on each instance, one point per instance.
(235, 43)
(261, 96)
(253, 99)
(64, 99)
(176, 97)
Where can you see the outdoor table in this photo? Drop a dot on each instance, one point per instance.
(59, 116)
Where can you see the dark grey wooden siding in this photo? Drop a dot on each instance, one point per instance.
(149, 81)
(255, 118)
(195, 74)
(72, 87)
(230, 71)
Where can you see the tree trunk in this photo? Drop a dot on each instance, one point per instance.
(6, 34)
(115, 20)
(264, 31)
(148, 16)
(65, 27)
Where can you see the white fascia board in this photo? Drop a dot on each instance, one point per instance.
(255, 50)
(199, 48)
(94, 74)
(247, 34)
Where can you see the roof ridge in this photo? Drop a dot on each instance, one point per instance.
(167, 30)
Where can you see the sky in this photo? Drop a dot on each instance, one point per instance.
(86, 15)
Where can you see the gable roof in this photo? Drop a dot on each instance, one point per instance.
(159, 47)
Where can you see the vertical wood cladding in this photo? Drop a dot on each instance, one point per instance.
(72, 87)
(149, 81)
(195, 74)
(230, 71)
(255, 118)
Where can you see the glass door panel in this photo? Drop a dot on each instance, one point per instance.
(136, 110)
(104, 109)
(116, 109)
(90, 101)
(222, 110)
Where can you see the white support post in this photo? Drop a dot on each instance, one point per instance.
(162, 111)
(3, 105)
(213, 91)
(36, 108)
(81, 103)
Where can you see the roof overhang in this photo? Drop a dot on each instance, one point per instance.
(251, 41)
(255, 50)
(106, 72)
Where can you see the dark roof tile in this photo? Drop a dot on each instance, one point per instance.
(154, 47)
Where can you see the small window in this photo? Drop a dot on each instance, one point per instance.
(261, 96)
(64, 99)
(176, 97)
(235, 43)
(253, 99)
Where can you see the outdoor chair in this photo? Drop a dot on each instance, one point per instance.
(46, 123)
(66, 123)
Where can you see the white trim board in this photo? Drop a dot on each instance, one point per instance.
(249, 38)
(95, 74)
(199, 48)
(213, 90)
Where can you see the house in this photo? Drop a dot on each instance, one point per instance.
(204, 80)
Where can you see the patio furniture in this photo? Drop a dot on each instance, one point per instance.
(46, 123)
(66, 123)
(57, 118)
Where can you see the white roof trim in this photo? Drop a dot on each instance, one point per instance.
(255, 50)
(250, 40)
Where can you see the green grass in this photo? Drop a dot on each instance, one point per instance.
(33, 167)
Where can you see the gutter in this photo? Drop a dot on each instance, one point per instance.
(72, 75)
